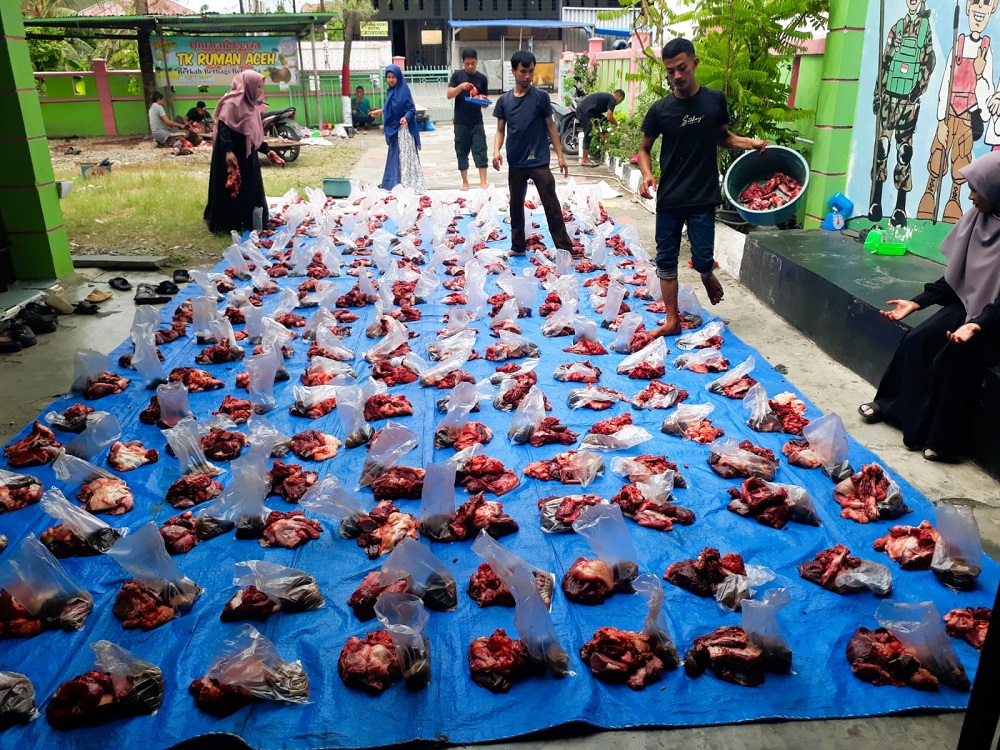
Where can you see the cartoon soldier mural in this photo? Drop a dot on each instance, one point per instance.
(962, 112)
(905, 70)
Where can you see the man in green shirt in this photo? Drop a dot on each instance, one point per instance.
(360, 109)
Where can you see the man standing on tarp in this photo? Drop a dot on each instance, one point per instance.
(905, 70)
(692, 120)
(470, 133)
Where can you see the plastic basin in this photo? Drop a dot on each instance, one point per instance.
(336, 187)
(755, 166)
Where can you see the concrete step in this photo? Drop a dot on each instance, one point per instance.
(122, 262)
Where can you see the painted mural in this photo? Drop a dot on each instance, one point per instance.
(929, 103)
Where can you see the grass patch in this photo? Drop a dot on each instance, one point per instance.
(156, 207)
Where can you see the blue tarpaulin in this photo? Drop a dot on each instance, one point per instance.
(818, 624)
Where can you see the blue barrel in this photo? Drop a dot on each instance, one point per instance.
(754, 166)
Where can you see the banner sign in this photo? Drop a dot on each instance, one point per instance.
(374, 29)
(215, 60)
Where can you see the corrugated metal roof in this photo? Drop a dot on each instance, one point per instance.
(588, 17)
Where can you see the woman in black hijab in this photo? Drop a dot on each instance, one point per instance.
(932, 384)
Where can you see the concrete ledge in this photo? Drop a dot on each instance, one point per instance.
(123, 262)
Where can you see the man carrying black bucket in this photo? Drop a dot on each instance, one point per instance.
(692, 120)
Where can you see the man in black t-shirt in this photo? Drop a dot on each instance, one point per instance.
(527, 113)
(469, 130)
(592, 107)
(692, 120)
(199, 115)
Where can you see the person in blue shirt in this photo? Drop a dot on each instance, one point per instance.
(527, 113)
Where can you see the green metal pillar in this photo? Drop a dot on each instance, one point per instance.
(29, 198)
(836, 105)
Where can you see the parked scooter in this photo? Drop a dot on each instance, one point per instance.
(568, 127)
(279, 123)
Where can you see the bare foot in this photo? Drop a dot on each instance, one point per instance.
(483, 185)
(713, 287)
(465, 187)
(666, 330)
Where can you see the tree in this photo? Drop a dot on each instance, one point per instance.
(353, 12)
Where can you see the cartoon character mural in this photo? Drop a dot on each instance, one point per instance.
(906, 64)
(963, 112)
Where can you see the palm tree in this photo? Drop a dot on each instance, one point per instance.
(353, 12)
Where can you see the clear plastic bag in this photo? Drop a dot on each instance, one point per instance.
(702, 360)
(262, 283)
(762, 416)
(185, 440)
(462, 399)
(689, 307)
(329, 498)
(958, 554)
(74, 472)
(518, 346)
(174, 401)
(17, 700)
(262, 370)
(562, 322)
(75, 424)
(525, 290)
(294, 590)
(919, 628)
(241, 504)
(534, 624)
(437, 501)
(454, 342)
(426, 285)
(685, 416)
(251, 662)
(654, 354)
(604, 529)
(87, 366)
(504, 563)
(828, 440)
(735, 589)
(658, 488)
(100, 433)
(868, 576)
(144, 556)
(394, 442)
(613, 304)
(801, 503)
(523, 368)
(700, 339)
(138, 685)
(234, 257)
(404, 616)
(627, 437)
(528, 415)
(760, 623)
(425, 575)
(204, 310)
(329, 368)
(254, 317)
(445, 367)
(145, 359)
(579, 398)
(204, 281)
(744, 368)
(351, 402)
(655, 626)
(332, 346)
(85, 526)
(730, 461)
(265, 439)
(39, 583)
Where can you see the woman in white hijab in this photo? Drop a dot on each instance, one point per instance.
(932, 385)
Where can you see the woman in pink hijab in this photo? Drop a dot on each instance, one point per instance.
(932, 385)
(235, 187)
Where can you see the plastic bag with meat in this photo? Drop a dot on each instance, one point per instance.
(37, 593)
(527, 417)
(511, 346)
(321, 371)
(736, 382)
(709, 336)
(736, 588)
(604, 529)
(146, 359)
(241, 504)
(351, 400)
(612, 306)
(327, 344)
(836, 570)
(615, 433)
(647, 363)
(185, 441)
(869, 495)
(919, 628)
(396, 335)
(119, 685)
(18, 491)
(690, 421)
(455, 430)
(445, 367)
(594, 397)
(655, 627)
(773, 504)
(316, 401)
(425, 575)
(828, 440)
(958, 555)
(627, 328)
(760, 623)
(174, 403)
(404, 617)
(659, 395)
(328, 497)
(284, 589)
(17, 700)
(648, 503)
(79, 533)
(503, 563)
(392, 443)
(641, 468)
(571, 467)
(743, 460)
(691, 312)
(158, 591)
(100, 491)
(702, 361)
(762, 417)
(437, 502)
(93, 378)
(248, 669)
(563, 321)
(74, 419)
(266, 439)
(100, 433)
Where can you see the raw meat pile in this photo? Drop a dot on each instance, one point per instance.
(869, 496)
(193, 489)
(387, 406)
(877, 656)
(289, 530)
(701, 575)
(498, 662)
(659, 395)
(650, 513)
(195, 380)
(773, 192)
(799, 454)
(131, 455)
(369, 664)
(970, 624)
(558, 513)
(617, 656)
(106, 495)
(771, 506)
(37, 448)
(314, 445)
(484, 474)
(383, 528)
(95, 697)
(591, 581)
(399, 483)
(829, 567)
(19, 491)
(910, 546)
(728, 652)
(463, 437)
(105, 384)
(754, 462)
(737, 388)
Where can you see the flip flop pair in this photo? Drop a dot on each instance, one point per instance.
(147, 294)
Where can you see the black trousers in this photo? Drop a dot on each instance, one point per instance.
(545, 183)
(931, 387)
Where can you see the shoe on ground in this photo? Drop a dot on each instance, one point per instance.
(42, 311)
(58, 303)
(8, 340)
(120, 283)
(86, 308)
(182, 277)
(146, 294)
(36, 322)
(168, 288)
(23, 335)
(98, 296)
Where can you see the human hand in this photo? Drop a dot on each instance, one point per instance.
(497, 160)
(275, 159)
(647, 187)
(963, 333)
(993, 105)
(979, 64)
(465, 85)
(942, 132)
(375, 112)
(563, 166)
(402, 122)
(758, 144)
(231, 159)
(901, 308)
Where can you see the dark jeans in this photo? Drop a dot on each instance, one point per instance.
(700, 222)
(931, 387)
(545, 183)
(362, 120)
(470, 137)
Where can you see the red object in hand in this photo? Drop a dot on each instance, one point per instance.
(272, 156)
(234, 181)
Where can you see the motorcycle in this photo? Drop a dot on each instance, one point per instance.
(568, 127)
(280, 123)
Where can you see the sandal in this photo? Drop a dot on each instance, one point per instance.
(930, 454)
(24, 335)
(146, 294)
(98, 296)
(168, 288)
(86, 308)
(8, 341)
(182, 277)
(36, 322)
(870, 413)
(120, 283)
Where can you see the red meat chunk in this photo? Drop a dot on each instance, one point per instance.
(800, 454)
(659, 395)
(497, 662)
(37, 448)
(195, 380)
(192, 489)
(478, 514)
(223, 445)
(399, 483)
(314, 445)
(587, 348)
(238, 409)
(910, 546)
(755, 499)
(462, 437)
(219, 354)
(106, 495)
(166, 335)
(865, 496)
(654, 515)
(138, 606)
(398, 375)
(387, 406)
(94, 697)
(363, 600)
(878, 657)
(702, 574)
(551, 430)
(611, 425)
(485, 474)
(369, 665)
(618, 656)
(827, 565)
(131, 455)
(105, 384)
(383, 528)
(290, 482)
(730, 655)
(19, 492)
(289, 530)
(217, 698)
(487, 590)
(970, 624)
(588, 581)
